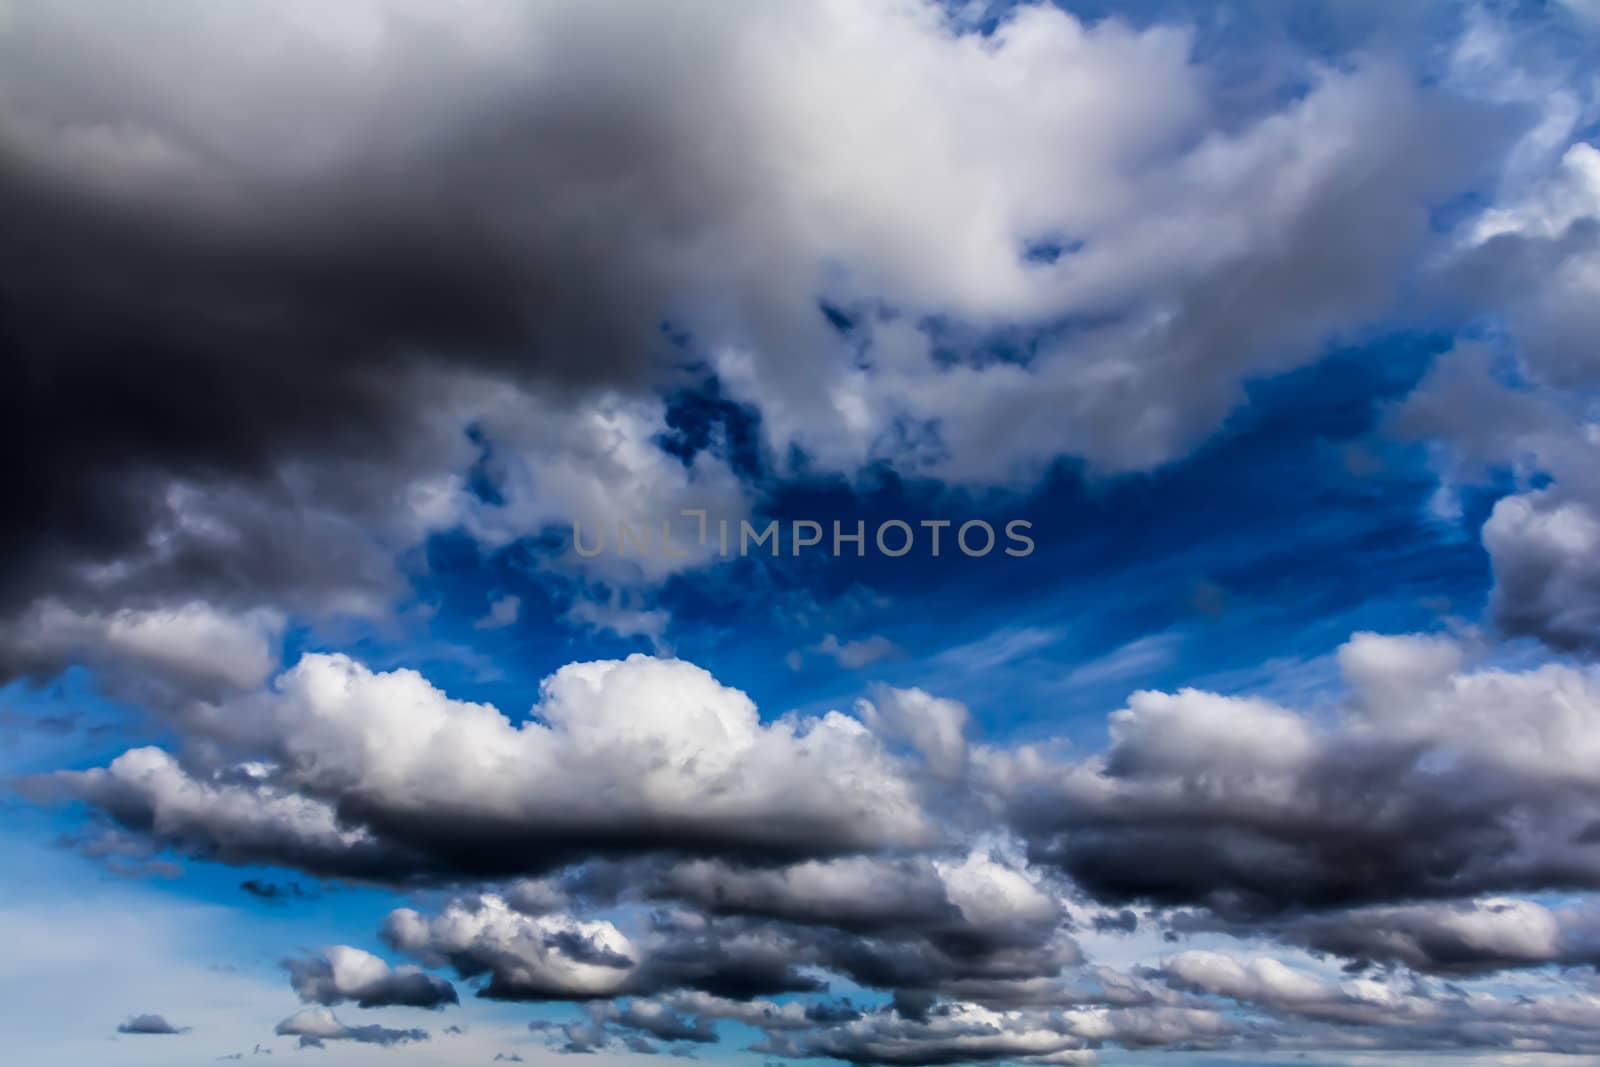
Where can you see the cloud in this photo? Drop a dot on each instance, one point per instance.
(1533, 257)
(1381, 836)
(273, 892)
(1139, 656)
(314, 1026)
(1399, 1011)
(342, 973)
(953, 1034)
(980, 926)
(1544, 546)
(1439, 781)
(622, 615)
(292, 291)
(658, 1021)
(720, 934)
(502, 613)
(854, 655)
(934, 726)
(1453, 938)
(192, 645)
(319, 316)
(383, 776)
(150, 1024)
(544, 957)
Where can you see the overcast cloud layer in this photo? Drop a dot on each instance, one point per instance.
(320, 327)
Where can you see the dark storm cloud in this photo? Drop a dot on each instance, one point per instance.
(183, 305)
(150, 1024)
(1367, 826)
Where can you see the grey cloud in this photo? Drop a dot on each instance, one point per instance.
(315, 1026)
(964, 926)
(1419, 791)
(656, 1020)
(342, 974)
(1123, 921)
(151, 1025)
(300, 259)
(1298, 1009)
(272, 892)
(1451, 938)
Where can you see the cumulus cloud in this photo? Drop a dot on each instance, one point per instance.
(381, 775)
(528, 957)
(1544, 546)
(1534, 257)
(150, 1025)
(342, 973)
(934, 726)
(1440, 780)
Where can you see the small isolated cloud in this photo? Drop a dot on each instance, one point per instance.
(623, 615)
(314, 1026)
(854, 655)
(154, 1025)
(502, 613)
(343, 973)
(273, 892)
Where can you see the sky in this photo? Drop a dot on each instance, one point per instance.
(893, 533)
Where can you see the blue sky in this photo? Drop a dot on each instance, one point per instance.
(1267, 324)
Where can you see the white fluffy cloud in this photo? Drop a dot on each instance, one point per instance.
(620, 756)
(554, 957)
(343, 973)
